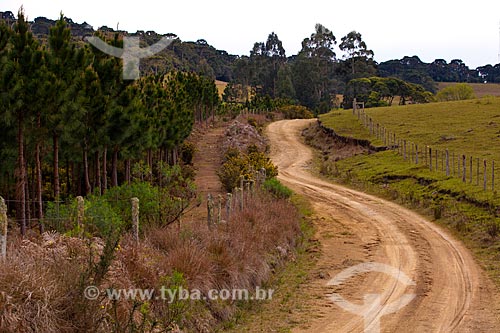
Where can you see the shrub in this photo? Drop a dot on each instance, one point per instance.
(277, 189)
(101, 219)
(187, 151)
(493, 228)
(456, 92)
(252, 122)
(296, 112)
(239, 165)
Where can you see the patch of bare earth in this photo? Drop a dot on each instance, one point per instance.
(207, 160)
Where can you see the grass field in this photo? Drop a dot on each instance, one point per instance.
(470, 128)
(480, 89)
(466, 127)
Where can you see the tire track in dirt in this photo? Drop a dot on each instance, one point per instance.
(452, 292)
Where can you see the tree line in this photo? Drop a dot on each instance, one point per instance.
(381, 91)
(312, 77)
(269, 71)
(71, 126)
(414, 70)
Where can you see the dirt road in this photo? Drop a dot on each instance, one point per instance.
(452, 292)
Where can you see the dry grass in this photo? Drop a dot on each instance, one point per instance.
(221, 86)
(42, 281)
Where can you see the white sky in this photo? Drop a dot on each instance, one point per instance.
(431, 29)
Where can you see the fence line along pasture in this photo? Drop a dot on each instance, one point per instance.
(471, 170)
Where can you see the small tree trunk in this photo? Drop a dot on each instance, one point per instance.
(114, 167)
(69, 171)
(3, 229)
(57, 187)
(127, 171)
(104, 170)
(98, 184)
(21, 179)
(79, 190)
(27, 193)
(86, 177)
(38, 167)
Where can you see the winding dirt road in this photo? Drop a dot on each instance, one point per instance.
(452, 292)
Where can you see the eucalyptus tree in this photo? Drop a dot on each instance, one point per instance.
(313, 70)
(356, 50)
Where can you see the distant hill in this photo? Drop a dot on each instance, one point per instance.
(199, 56)
(414, 70)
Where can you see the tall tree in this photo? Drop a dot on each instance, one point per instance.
(63, 62)
(20, 80)
(313, 70)
(355, 48)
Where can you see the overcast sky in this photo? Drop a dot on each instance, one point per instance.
(391, 28)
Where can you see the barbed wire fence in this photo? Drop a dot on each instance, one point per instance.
(469, 169)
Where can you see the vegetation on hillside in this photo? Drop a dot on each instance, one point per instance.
(377, 91)
(457, 92)
(55, 270)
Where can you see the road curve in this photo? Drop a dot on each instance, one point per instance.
(452, 292)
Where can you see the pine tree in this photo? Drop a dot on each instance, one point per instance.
(24, 61)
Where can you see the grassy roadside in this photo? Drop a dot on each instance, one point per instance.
(471, 214)
(281, 313)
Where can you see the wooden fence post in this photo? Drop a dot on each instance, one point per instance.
(416, 154)
(219, 209)
(437, 160)
(135, 218)
(210, 210)
(477, 173)
(80, 213)
(464, 166)
(453, 163)
(447, 163)
(411, 153)
(493, 176)
(442, 161)
(470, 176)
(485, 177)
(242, 187)
(3, 229)
(430, 159)
(228, 206)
